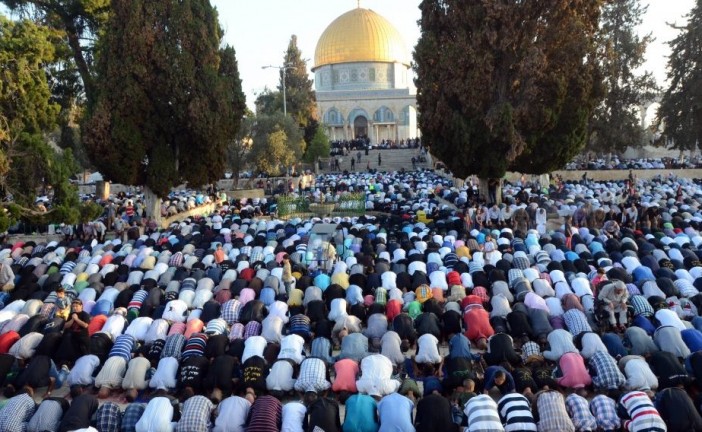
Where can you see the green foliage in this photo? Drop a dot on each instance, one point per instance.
(288, 205)
(165, 107)
(24, 93)
(319, 146)
(506, 85)
(299, 93)
(615, 123)
(89, 211)
(681, 107)
(277, 144)
(78, 21)
(238, 148)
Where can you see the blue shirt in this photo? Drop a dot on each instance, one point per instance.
(361, 414)
(506, 387)
(459, 347)
(693, 339)
(322, 281)
(395, 412)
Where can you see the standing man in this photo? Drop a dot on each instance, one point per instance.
(75, 341)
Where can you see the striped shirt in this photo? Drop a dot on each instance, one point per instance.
(67, 267)
(643, 416)
(217, 326)
(515, 413)
(195, 346)
(482, 415)
(265, 415)
(123, 347)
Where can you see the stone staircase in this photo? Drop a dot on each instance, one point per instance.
(391, 160)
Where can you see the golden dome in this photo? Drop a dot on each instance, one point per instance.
(360, 35)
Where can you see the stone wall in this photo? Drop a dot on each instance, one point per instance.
(203, 210)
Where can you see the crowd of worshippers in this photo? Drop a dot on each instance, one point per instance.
(232, 323)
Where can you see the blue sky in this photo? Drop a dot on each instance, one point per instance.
(260, 30)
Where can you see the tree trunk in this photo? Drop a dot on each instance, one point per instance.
(79, 58)
(153, 205)
(485, 191)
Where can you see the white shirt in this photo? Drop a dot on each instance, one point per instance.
(175, 311)
(157, 330)
(428, 350)
(139, 327)
(157, 417)
(281, 376)
(591, 343)
(279, 309)
(376, 370)
(639, 375)
(272, 329)
(338, 309)
(217, 222)
(669, 318)
(554, 306)
(500, 306)
(165, 376)
(231, 415)
(291, 347)
(112, 373)
(82, 372)
(135, 378)
(26, 347)
(254, 346)
(293, 417)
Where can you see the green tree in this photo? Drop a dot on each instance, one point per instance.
(165, 107)
(615, 124)
(318, 148)
(239, 147)
(80, 21)
(276, 144)
(25, 106)
(506, 85)
(301, 100)
(680, 111)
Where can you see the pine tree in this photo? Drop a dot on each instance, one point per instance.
(681, 106)
(165, 105)
(506, 85)
(616, 125)
(301, 101)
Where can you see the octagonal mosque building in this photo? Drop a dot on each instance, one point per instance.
(363, 79)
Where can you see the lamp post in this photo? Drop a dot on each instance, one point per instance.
(282, 69)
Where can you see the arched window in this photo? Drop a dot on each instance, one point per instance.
(383, 115)
(333, 117)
